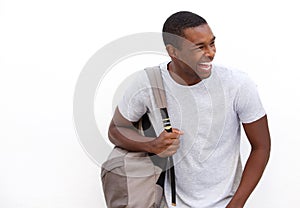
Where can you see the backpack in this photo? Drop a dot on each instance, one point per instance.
(136, 179)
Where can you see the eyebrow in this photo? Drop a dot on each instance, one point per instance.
(200, 44)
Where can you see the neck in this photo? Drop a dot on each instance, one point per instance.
(183, 75)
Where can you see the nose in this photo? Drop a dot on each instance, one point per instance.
(210, 52)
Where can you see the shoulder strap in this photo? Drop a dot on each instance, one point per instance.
(154, 75)
(156, 82)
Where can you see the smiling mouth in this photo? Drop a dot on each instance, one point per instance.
(205, 66)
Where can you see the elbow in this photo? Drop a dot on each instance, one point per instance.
(263, 152)
(111, 133)
(267, 148)
(267, 153)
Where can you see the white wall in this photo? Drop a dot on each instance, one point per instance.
(44, 45)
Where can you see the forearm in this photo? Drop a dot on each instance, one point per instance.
(129, 139)
(252, 173)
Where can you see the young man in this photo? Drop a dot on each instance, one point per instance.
(207, 105)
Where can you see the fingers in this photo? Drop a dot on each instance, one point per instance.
(169, 151)
(168, 143)
(177, 131)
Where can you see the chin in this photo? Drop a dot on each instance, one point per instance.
(205, 76)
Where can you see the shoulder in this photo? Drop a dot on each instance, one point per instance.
(136, 81)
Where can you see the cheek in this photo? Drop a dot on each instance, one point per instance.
(190, 58)
(195, 57)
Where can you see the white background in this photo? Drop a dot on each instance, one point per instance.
(45, 44)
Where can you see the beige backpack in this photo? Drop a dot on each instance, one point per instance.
(136, 179)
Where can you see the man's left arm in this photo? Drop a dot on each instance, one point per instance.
(258, 135)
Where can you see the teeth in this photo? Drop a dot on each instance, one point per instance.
(205, 65)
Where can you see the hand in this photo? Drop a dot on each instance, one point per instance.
(166, 144)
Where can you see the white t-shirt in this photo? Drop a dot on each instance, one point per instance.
(207, 165)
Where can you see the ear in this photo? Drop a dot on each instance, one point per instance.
(172, 51)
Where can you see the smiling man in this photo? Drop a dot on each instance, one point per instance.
(192, 53)
(208, 104)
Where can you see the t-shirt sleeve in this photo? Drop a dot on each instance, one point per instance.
(248, 103)
(133, 103)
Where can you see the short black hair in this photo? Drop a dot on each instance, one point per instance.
(177, 23)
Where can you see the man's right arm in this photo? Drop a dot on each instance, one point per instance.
(122, 133)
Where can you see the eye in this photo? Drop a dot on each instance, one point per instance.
(212, 44)
(198, 48)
